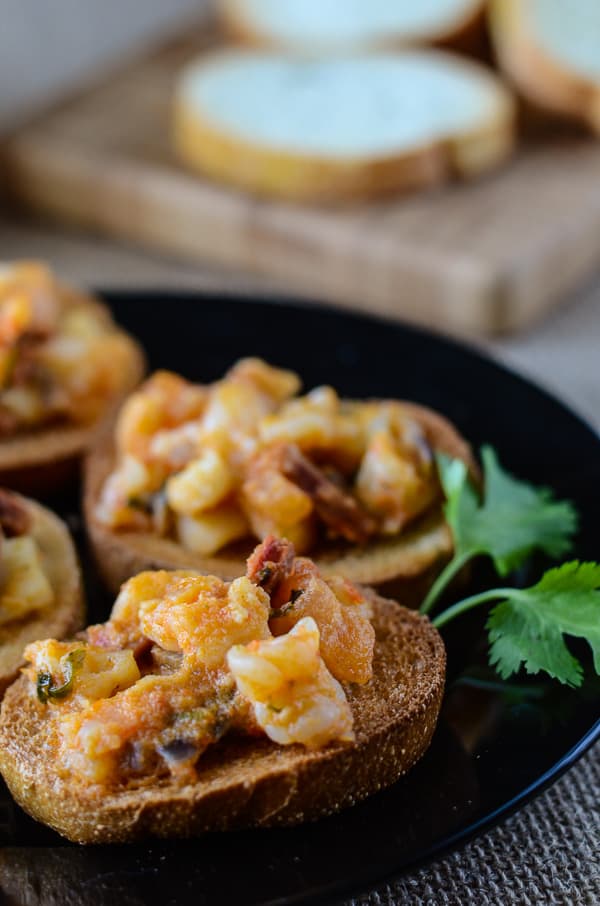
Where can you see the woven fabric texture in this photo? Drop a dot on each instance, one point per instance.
(547, 853)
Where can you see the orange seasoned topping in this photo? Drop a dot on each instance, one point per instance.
(248, 457)
(61, 357)
(185, 658)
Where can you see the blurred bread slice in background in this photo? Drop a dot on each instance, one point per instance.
(342, 127)
(550, 51)
(335, 25)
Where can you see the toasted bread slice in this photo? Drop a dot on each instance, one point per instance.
(311, 25)
(40, 461)
(427, 544)
(61, 618)
(340, 128)
(550, 50)
(248, 782)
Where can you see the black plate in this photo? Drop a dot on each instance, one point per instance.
(491, 752)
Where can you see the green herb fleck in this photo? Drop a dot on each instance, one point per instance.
(72, 662)
(264, 574)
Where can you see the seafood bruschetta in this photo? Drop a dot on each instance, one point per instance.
(192, 475)
(201, 704)
(64, 365)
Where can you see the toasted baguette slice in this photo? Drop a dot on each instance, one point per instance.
(419, 549)
(66, 614)
(40, 461)
(551, 52)
(248, 782)
(312, 25)
(334, 129)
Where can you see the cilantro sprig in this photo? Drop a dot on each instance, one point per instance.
(511, 521)
(526, 627)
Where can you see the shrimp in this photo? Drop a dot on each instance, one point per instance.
(294, 696)
(339, 609)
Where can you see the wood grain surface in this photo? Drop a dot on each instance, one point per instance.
(484, 257)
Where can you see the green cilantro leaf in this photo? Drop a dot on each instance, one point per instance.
(528, 626)
(512, 521)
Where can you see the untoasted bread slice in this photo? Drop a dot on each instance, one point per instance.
(340, 128)
(247, 782)
(40, 461)
(61, 618)
(122, 554)
(550, 50)
(311, 25)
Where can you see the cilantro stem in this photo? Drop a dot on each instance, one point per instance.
(469, 603)
(444, 578)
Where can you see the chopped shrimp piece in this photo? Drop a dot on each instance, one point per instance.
(202, 484)
(318, 424)
(347, 636)
(338, 607)
(29, 302)
(295, 698)
(269, 498)
(393, 485)
(276, 383)
(164, 401)
(203, 616)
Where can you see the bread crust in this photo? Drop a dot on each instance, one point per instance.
(40, 462)
(542, 79)
(464, 34)
(307, 178)
(66, 614)
(427, 544)
(248, 782)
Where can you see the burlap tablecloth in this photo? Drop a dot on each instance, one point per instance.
(549, 851)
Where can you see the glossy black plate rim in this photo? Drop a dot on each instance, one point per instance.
(340, 889)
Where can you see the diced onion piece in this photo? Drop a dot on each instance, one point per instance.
(26, 587)
(210, 531)
(201, 485)
(388, 483)
(24, 402)
(105, 672)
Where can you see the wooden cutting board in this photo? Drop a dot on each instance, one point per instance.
(477, 258)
